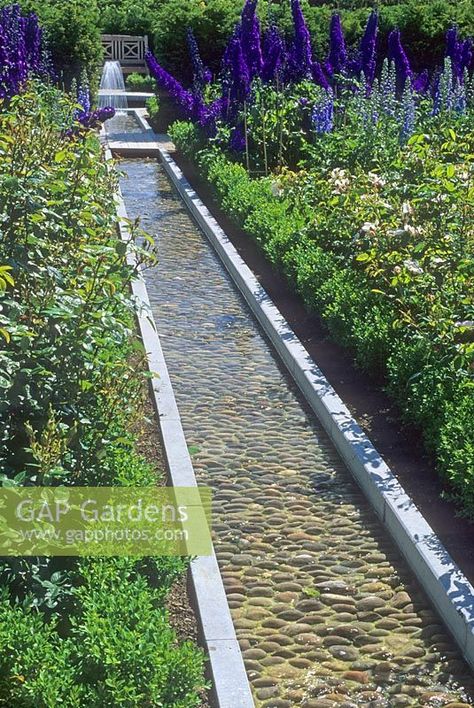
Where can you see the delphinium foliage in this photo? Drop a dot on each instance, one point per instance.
(354, 172)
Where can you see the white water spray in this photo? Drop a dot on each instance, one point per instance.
(112, 87)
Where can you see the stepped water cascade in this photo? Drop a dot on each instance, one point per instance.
(112, 87)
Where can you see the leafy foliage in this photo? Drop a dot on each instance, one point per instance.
(138, 82)
(94, 632)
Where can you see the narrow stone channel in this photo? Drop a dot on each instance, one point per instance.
(325, 609)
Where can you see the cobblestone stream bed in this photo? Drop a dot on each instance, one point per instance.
(326, 610)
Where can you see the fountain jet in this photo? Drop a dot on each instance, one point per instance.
(112, 87)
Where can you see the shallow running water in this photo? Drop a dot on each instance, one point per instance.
(120, 125)
(325, 609)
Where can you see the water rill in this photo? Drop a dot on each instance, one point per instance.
(325, 608)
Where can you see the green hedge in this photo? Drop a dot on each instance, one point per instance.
(400, 326)
(92, 632)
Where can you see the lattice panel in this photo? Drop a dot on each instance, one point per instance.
(125, 49)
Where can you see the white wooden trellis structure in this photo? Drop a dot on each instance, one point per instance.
(129, 50)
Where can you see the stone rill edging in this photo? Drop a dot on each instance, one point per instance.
(230, 686)
(442, 580)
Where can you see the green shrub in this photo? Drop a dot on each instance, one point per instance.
(212, 22)
(124, 648)
(140, 82)
(127, 16)
(397, 317)
(456, 447)
(119, 649)
(35, 670)
(92, 633)
(153, 107)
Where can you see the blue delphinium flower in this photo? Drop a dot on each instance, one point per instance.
(408, 113)
(396, 53)
(368, 48)
(460, 97)
(201, 75)
(337, 57)
(322, 115)
(366, 104)
(443, 97)
(388, 89)
(83, 98)
(301, 55)
(251, 39)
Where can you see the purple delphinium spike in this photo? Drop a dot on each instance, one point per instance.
(21, 50)
(318, 75)
(251, 39)
(92, 119)
(237, 139)
(337, 58)
(421, 82)
(454, 49)
(226, 57)
(4, 63)
(239, 74)
(396, 53)
(274, 55)
(368, 48)
(301, 54)
(201, 75)
(467, 54)
(33, 42)
(167, 82)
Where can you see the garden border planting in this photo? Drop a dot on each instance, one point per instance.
(442, 580)
(230, 687)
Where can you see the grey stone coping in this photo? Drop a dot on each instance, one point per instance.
(230, 686)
